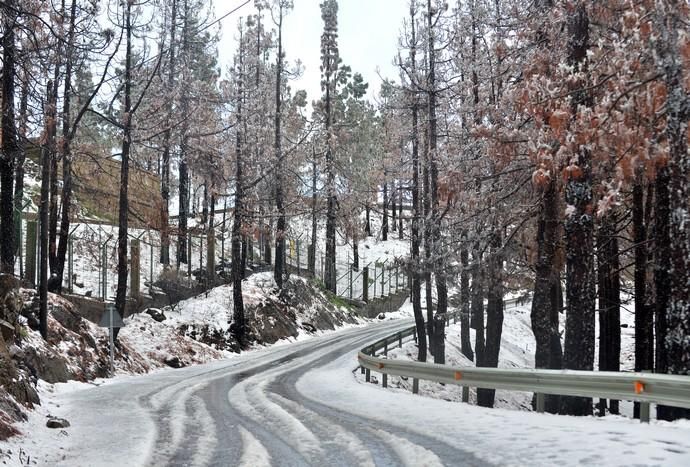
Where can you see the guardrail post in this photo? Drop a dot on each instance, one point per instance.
(644, 412)
(365, 284)
(361, 368)
(465, 394)
(384, 380)
(385, 348)
(367, 375)
(540, 402)
(415, 386)
(400, 340)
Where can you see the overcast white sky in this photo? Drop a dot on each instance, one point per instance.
(368, 38)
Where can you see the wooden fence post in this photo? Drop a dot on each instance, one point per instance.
(211, 255)
(31, 246)
(134, 268)
(365, 284)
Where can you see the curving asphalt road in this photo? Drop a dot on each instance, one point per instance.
(244, 411)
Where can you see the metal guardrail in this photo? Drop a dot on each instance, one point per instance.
(646, 388)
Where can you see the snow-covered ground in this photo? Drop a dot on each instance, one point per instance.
(501, 436)
(300, 404)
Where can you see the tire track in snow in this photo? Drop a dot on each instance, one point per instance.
(254, 454)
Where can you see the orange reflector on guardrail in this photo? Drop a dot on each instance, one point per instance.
(380, 365)
(458, 376)
(639, 387)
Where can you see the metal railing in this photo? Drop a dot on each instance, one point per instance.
(645, 388)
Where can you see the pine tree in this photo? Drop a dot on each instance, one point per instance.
(329, 69)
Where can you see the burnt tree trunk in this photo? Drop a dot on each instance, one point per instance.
(314, 211)
(416, 208)
(578, 352)
(123, 215)
(400, 213)
(384, 223)
(669, 53)
(644, 318)
(67, 136)
(494, 315)
(43, 216)
(10, 144)
(465, 299)
(167, 143)
(608, 278)
(53, 204)
(238, 327)
(662, 253)
(19, 164)
(394, 208)
(477, 306)
(279, 267)
(439, 259)
(548, 353)
(367, 225)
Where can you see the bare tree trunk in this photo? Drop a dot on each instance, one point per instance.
(400, 213)
(644, 319)
(43, 215)
(662, 251)
(10, 145)
(66, 154)
(19, 163)
(184, 176)
(394, 207)
(548, 296)
(494, 314)
(123, 216)
(167, 143)
(53, 205)
(677, 339)
(416, 203)
(314, 210)
(425, 269)
(608, 279)
(578, 352)
(384, 223)
(239, 327)
(279, 268)
(465, 299)
(477, 307)
(367, 225)
(438, 264)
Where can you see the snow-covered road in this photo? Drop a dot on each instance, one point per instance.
(299, 404)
